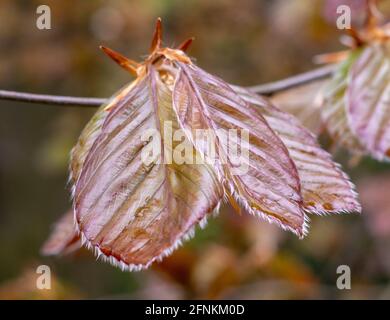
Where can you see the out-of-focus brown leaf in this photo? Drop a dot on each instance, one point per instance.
(24, 287)
(374, 192)
(215, 271)
(158, 286)
(292, 269)
(263, 241)
(178, 266)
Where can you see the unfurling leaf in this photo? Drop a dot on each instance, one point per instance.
(158, 159)
(356, 104)
(369, 99)
(334, 107)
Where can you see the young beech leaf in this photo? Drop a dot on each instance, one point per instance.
(92, 131)
(270, 188)
(357, 99)
(369, 99)
(131, 212)
(325, 187)
(64, 237)
(334, 107)
(304, 103)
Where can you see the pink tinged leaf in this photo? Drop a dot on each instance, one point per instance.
(334, 107)
(270, 188)
(64, 238)
(304, 102)
(92, 131)
(325, 187)
(130, 212)
(369, 100)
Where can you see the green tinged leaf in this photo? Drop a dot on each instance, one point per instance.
(334, 107)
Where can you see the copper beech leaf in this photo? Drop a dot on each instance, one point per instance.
(92, 131)
(64, 237)
(270, 188)
(334, 107)
(133, 212)
(325, 187)
(304, 102)
(130, 212)
(369, 99)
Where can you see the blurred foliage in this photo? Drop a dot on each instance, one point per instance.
(245, 42)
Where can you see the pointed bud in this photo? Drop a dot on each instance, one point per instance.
(157, 37)
(124, 62)
(186, 44)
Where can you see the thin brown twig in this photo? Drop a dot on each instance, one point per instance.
(294, 81)
(50, 99)
(266, 89)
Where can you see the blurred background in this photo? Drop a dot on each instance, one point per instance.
(245, 42)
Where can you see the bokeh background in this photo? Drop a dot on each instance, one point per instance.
(245, 42)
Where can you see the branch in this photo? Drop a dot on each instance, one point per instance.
(50, 99)
(266, 89)
(300, 79)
